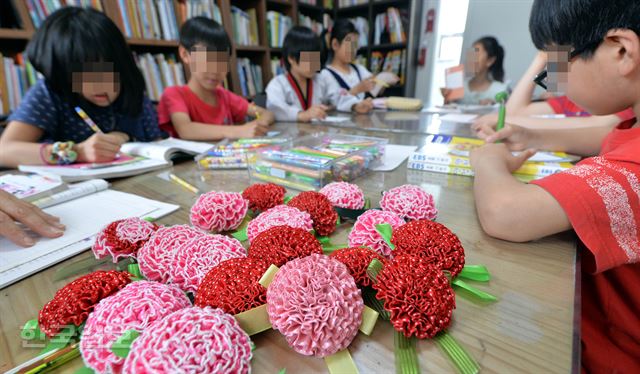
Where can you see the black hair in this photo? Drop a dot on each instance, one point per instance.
(495, 50)
(580, 24)
(341, 28)
(72, 38)
(205, 31)
(300, 39)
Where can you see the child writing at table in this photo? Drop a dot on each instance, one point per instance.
(89, 70)
(600, 197)
(203, 109)
(301, 95)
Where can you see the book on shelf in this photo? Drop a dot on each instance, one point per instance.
(245, 29)
(159, 72)
(391, 61)
(315, 26)
(250, 76)
(362, 25)
(40, 9)
(450, 155)
(277, 27)
(194, 8)
(16, 77)
(388, 27)
(276, 67)
(148, 19)
(348, 3)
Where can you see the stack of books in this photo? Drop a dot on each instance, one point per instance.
(392, 61)
(245, 26)
(348, 3)
(314, 25)
(39, 9)
(149, 19)
(194, 8)
(250, 76)
(389, 28)
(160, 72)
(277, 27)
(276, 67)
(16, 76)
(362, 25)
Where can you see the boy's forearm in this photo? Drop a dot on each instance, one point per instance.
(584, 142)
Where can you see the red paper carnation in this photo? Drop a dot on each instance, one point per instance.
(123, 238)
(344, 195)
(357, 259)
(263, 196)
(73, 302)
(219, 211)
(409, 202)
(320, 208)
(417, 294)
(281, 244)
(432, 241)
(233, 286)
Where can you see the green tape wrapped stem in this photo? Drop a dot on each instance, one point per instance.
(478, 294)
(405, 354)
(461, 359)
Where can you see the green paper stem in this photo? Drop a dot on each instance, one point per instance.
(61, 339)
(149, 219)
(338, 221)
(367, 203)
(287, 199)
(283, 371)
(330, 248)
(241, 235)
(478, 273)
(324, 239)
(481, 295)
(385, 230)
(122, 346)
(405, 354)
(375, 266)
(462, 360)
(134, 270)
(369, 296)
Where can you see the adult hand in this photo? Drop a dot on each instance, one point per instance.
(14, 210)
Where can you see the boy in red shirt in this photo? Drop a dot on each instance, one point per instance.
(600, 197)
(196, 111)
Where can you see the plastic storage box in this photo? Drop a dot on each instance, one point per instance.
(236, 154)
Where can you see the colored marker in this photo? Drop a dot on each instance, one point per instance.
(501, 98)
(184, 183)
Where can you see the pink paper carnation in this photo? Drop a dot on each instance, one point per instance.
(191, 340)
(197, 256)
(315, 303)
(409, 202)
(281, 215)
(364, 230)
(344, 195)
(219, 211)
(123, 238)
(156, 256)
(135, 307)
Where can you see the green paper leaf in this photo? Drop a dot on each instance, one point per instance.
(253, 345)
(287, 199)
(241, 235)
(61, 339)
(375, 266)
(330, 248)
(122, 346)
(405, 354)
(462, 360)
(134, 270)
(31, 331)
(84, 370)
(324, 239)
(385, 230)
(481, 295)
(283, 371)
(477, 273)
(149, 219)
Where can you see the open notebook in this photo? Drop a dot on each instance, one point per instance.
(104, 206)
(136, 158)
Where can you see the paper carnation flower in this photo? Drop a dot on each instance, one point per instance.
(315, 303)
(357, 260)
(264, 196)
(156, 255)
(320, 208)
(233, 286)
(72, 303)
(344, 195)
(123, 238)
(364, 230)
(283, 243)
(281, 215)
(191, 340)
(135, 307)
(219, 211)
(417, 295)
(432, 241)
(409, 202)
(197, 256)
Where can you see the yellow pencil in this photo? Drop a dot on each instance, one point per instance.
(184, 183)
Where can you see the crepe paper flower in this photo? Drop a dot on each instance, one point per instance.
(72, 303)
(409, 202)
(281, 244)
(344, 195)
(123, 238)
(219, 211)
(192, 340)
(135, 307)
(320, 208)
(430, 240)
(364, 231)
(357, 259)
(315, 303)
(264, 196)
(233, 286)
(197, 256)
(281, 215)
(156, 255)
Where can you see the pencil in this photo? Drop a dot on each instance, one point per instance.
(184, 183)
(85, 117)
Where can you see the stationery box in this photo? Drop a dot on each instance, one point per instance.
(234, 154)
(313, 161)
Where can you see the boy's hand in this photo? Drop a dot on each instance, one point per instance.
(100, 147)
(249, 130)
(365, 106)
(364, 86)
(315, 112)
(516, 138)
(498, 154)
(488, 120)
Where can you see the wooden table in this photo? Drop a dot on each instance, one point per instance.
(530, 329)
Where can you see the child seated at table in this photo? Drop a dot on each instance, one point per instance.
(600, 197)
(301, 95)
(203, 109)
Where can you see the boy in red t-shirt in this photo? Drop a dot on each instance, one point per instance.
(600, 197)
(196, 111)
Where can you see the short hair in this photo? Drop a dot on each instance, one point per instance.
(205, 31)
(300, 39)
(580, 24)
(72, 37)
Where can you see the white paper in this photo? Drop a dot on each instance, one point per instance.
(394, 155)
(332, 119)
(454, 80)
(459, 118)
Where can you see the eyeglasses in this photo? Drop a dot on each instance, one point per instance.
(540, 79)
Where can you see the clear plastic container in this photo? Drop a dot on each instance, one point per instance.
(236, 154)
